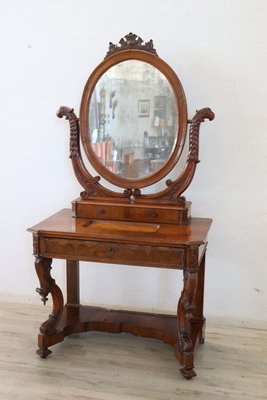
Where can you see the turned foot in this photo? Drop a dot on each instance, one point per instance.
(188, 373)
(43, 352)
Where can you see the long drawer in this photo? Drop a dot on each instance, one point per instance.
(154, 256)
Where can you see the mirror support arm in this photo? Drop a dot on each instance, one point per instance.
(182, 183)
(176, 188)
(91, 184)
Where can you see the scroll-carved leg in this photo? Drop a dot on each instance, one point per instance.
(48, 285)
(185, 314)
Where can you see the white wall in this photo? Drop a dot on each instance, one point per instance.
(218, 49)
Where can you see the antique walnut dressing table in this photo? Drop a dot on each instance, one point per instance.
(133, 125)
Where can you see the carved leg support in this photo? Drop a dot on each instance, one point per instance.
(185, 313)
(48, 285)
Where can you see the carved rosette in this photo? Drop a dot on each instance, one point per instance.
(131, 41)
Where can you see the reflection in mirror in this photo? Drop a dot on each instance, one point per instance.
(133, 119)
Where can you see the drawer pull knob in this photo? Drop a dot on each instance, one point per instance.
(101, 211)
(111, 251)
(153, 214)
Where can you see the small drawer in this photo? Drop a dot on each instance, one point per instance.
(101, 211)
(154, 215)
(152, 256)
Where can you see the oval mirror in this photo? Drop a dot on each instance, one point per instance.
(133, 119)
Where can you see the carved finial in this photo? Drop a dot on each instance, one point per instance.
(69, 114)
(199, 117)
(131, 41)
(66, 112)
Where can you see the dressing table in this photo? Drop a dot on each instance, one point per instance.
(133, 126)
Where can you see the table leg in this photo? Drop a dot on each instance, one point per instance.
(185, 344)
(48, 285)
(73, 283)
(184, 314)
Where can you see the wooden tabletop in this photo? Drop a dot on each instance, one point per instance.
(63, 224)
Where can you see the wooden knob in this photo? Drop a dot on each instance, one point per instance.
(101, 211)
(154, 214)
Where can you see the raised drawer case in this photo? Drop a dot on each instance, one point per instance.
(169, 214)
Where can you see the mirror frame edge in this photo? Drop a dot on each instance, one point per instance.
(178, 91)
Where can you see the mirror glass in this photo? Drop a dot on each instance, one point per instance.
(133, 119)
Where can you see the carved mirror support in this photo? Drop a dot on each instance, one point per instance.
(133, 125)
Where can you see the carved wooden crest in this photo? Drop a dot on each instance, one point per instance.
(131, 41)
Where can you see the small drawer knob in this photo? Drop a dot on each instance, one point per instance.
(101, 211)
(153, 214)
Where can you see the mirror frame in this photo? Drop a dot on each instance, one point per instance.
(178, 91)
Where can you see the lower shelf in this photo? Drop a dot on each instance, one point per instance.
(88, 318)
(76, 319)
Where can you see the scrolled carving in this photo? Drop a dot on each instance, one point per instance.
(137, 193)
(175, 188)
(186, 308)
(199, 117)
(90, 184)
(44, 276)
(189, 307)
(131, 41)
(185, 341)
(69, 114)
(128, 193)
(48, 285)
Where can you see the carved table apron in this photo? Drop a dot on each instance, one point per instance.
(138, 244)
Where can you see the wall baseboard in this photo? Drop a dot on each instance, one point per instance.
(19, 298)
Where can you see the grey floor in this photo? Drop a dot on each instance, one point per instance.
(232, 364)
